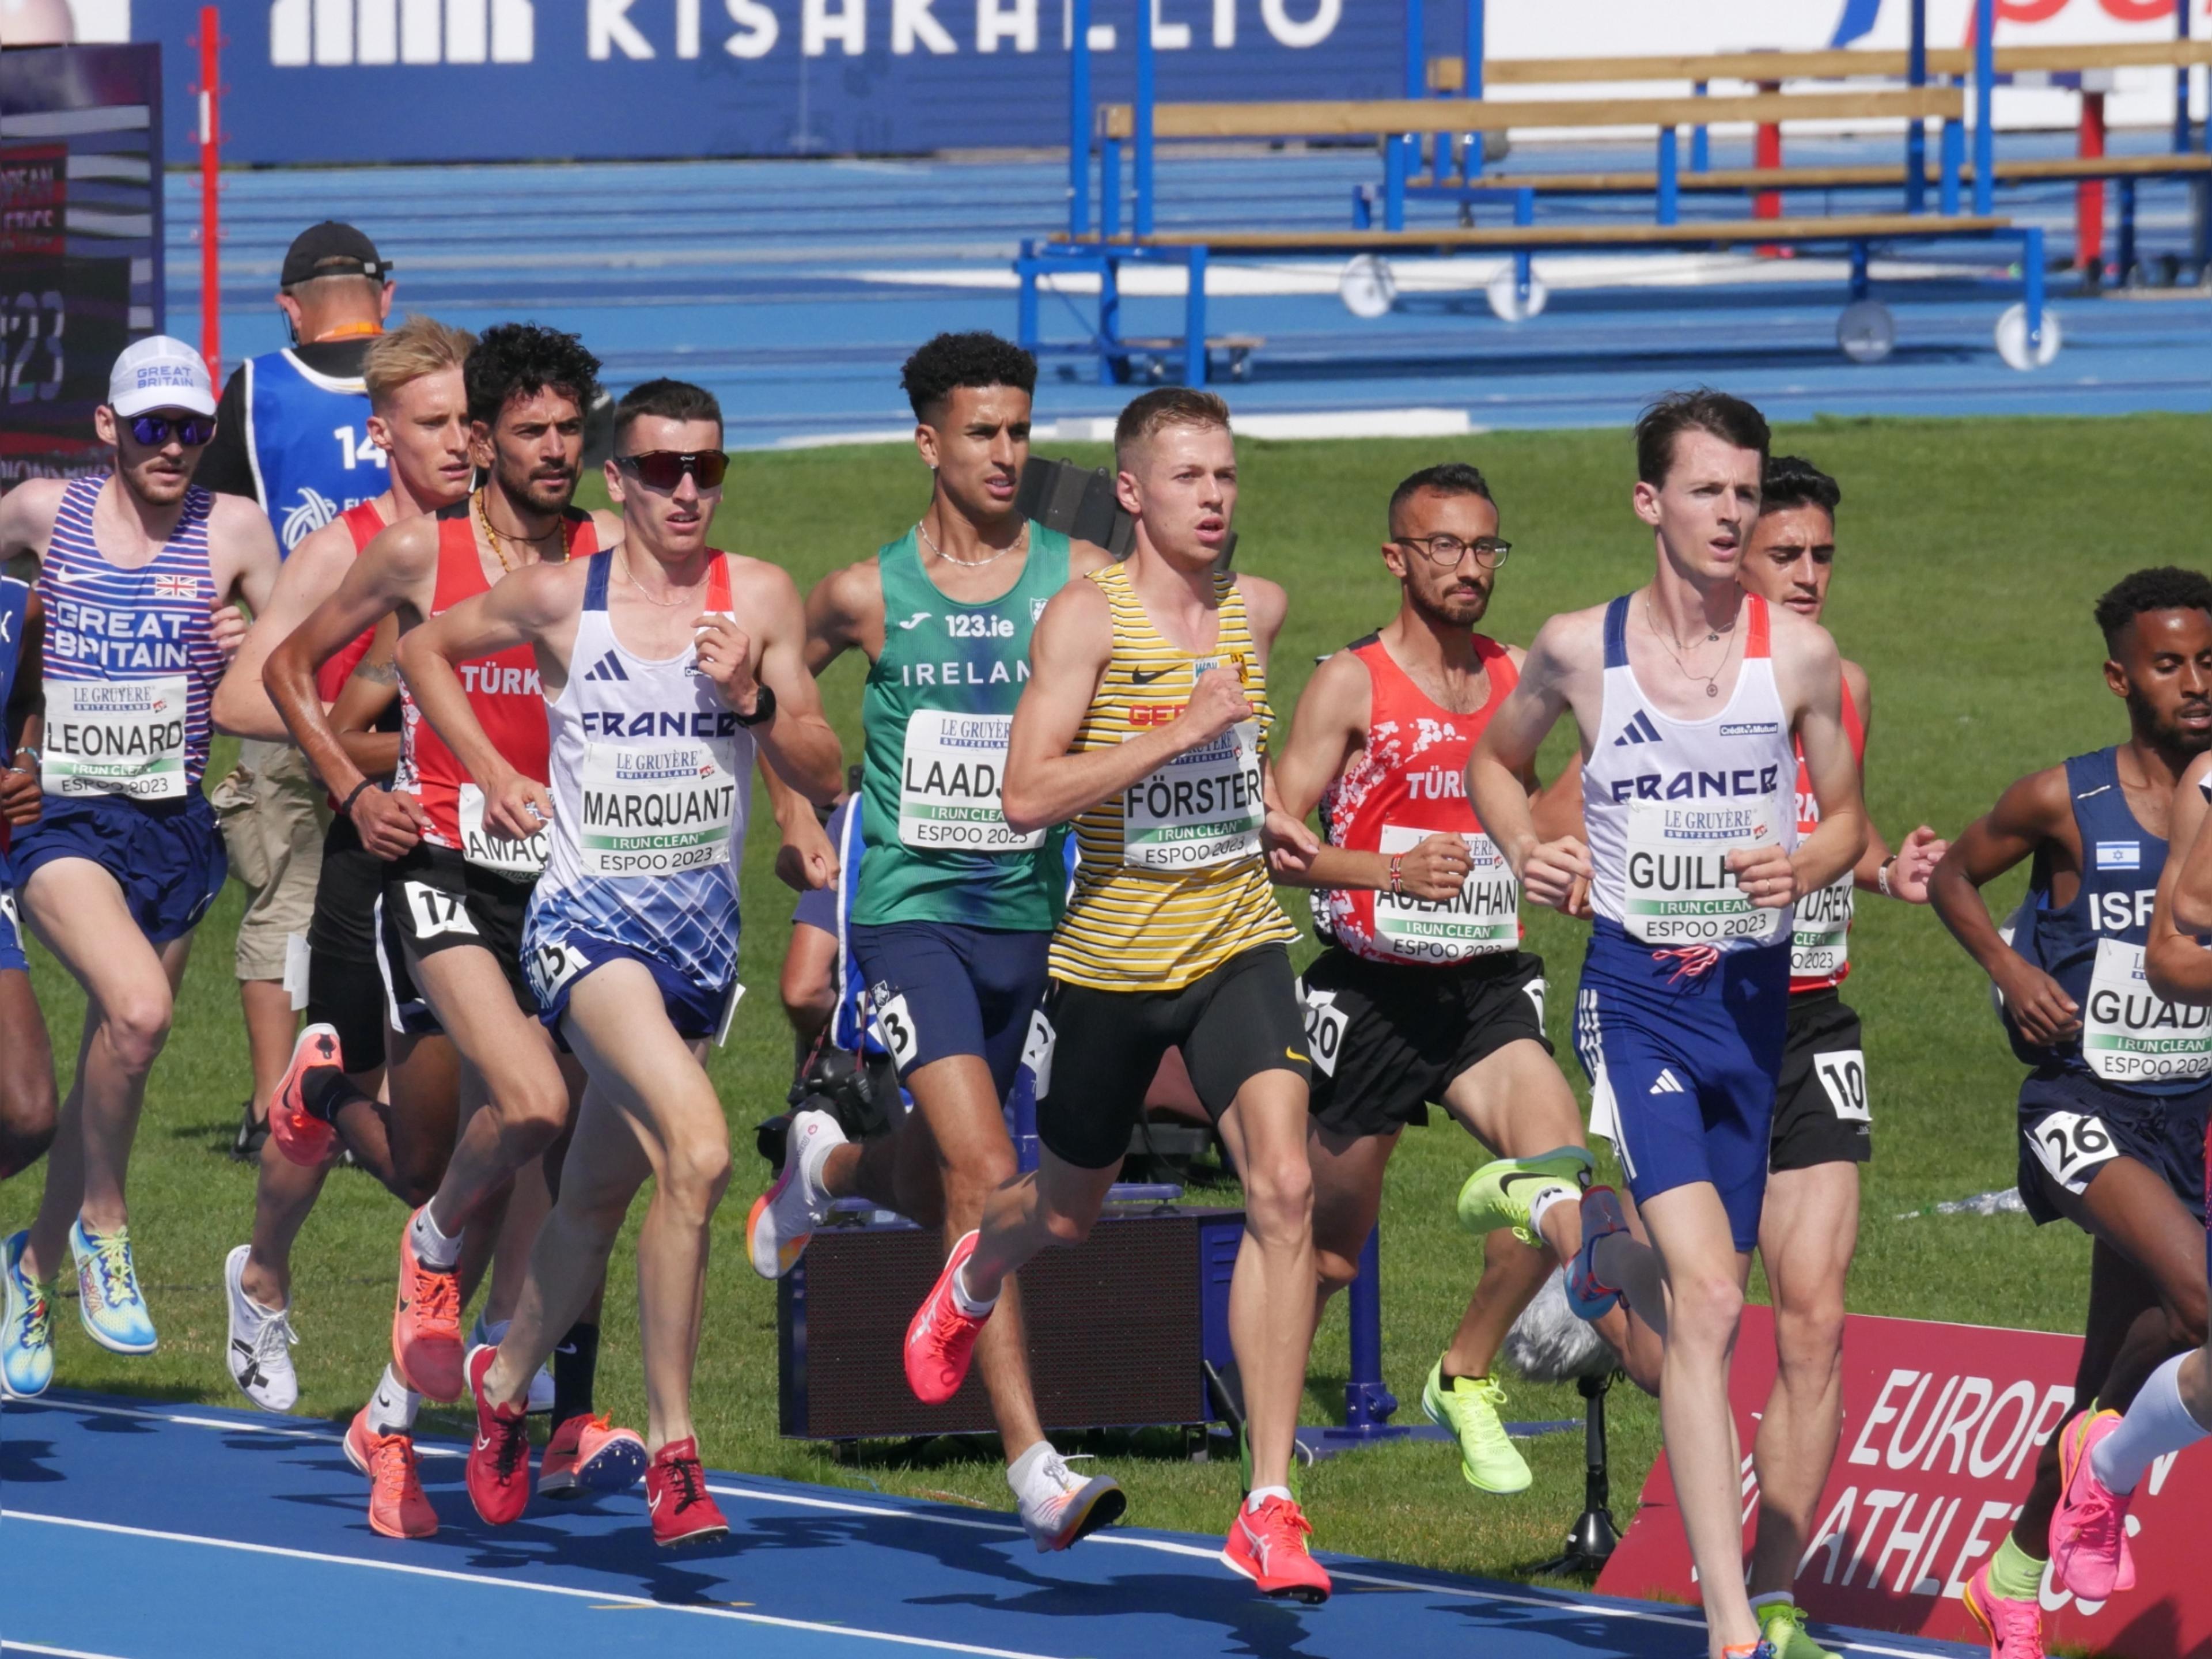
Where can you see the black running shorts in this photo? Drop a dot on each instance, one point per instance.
(344, 990)
(434, 899)
(1821, 1112)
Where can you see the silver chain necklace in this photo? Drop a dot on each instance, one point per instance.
(1712, 689)
(1019, 541)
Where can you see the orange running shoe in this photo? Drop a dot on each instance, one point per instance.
(676, 1497)
(589, 1454)
(941, 1339)
(397, 1507)
(302, 1136)
(498, 1457)
(1268, 1547)
(426, 1325)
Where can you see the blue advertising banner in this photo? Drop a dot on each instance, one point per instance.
(372, 81)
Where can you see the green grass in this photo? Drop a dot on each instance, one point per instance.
(1972, 552)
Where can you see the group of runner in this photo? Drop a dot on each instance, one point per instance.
(537, 727)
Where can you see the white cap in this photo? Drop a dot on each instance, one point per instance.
(159, 372)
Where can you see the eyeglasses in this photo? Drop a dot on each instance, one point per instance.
(663, 469)
(154, 430)
(1448, 551)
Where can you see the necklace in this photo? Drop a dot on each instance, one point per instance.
(630, 576)
(1712, 689)
(1020, 541)
(499, 547)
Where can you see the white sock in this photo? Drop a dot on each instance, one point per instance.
(812, 1156)
(2158, 1423)
(431, 1247)
(1023, 1468)
(392, 1408)
(1261, 1494)
(1773, 1599)
(970, 1305)
(1543, 1202)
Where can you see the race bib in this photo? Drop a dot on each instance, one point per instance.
(894, 1023)
(1842, 1072)
(1820, 934)
(10, 921)
(1484, 918)
(1201, 809)
(1036, 1053)
(432, 910)
(487, 851)
(1325, 1026)
(653, 811)
(1678, 890)
(950, 774)
(2129, 1034)
(550, 967)
(115, 738)
(2072, 1146)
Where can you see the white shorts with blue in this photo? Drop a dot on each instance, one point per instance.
(682, 927)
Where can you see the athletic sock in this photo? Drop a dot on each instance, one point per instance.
(971, 1306)
(1771, 1599)
(392, 1408)
(1020, 1471)
(1261, 1494)
(2158, 1422)
(1540, 1205)
(431, 1247)
(575, 1365)
(326, 1091)
(2014, 1573)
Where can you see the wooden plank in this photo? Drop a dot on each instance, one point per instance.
(1883, 174)
(1841, 228)
(1449, 74)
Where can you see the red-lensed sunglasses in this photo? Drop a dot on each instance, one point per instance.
(663, 469)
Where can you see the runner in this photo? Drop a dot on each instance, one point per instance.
(126, 857)
(2111, 1117)
(1145, 722)
(954, 912)
(663, 665)
(1425, 993)
(1686, 693)
(453, 896)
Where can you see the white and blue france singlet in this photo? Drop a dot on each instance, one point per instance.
(129, 657)
(1666, 800)
(651, 778)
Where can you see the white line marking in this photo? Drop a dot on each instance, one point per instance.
(58, 1653)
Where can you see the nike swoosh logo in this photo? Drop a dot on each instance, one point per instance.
(1138, 677)
(568, 1348)
(653, 1504)
(483, 1444)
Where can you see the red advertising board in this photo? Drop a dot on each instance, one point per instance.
(1941, 1427)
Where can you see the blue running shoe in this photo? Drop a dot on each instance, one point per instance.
(1587, 1295)
(107, 1296)
(26, 1346)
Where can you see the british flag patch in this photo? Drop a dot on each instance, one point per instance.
(176, 587)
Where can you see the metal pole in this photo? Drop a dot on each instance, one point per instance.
(210, 135)
(1985, 79)
(1417, 51)
(1367, 1403)
(1915, 131)
(1473, 79)
(1145, 67)
(2181, 83)
(1079, 120)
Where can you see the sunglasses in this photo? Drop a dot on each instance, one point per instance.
(663, 469)
(154, 430)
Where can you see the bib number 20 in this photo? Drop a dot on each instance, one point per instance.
(1325, 1023)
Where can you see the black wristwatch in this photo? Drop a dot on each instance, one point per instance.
(763, 708)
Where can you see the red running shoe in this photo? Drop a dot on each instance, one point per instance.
(300, 1134)
(676, 1498)
(397, 1507)
(426, 1325)
(588, 1454)
(941, 1340)
(2089, 1552)
(498, 1457)
(1268, 1547)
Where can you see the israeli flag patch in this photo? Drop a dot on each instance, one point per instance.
(2119, 855)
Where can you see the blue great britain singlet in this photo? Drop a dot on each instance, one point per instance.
(306, 440)
(129, 658)
(2130, 1038)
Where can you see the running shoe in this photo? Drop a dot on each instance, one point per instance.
(426, 1325)
(498, 1457)
(482, 1336)
(261, 1342)
(253, 1134)
(298, 1133)
(589, 1454)
(1058, 1506)
(1498, 1194)
(1268, 1544)
(1782, 1625)
(2089, 1552)
(941, 1340)
(26, 1346)
(1587, 1295)
(676, 1498)
(108, 1300)
(397, 1507)
(2015, 1628)
(1488, 1459)
(785, 1216)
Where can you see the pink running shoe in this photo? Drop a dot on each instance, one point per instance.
(942, 1339)
(2015, 1628)
(2089, 1551)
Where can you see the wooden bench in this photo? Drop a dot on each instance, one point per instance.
(1449, 75)
(1150, 354)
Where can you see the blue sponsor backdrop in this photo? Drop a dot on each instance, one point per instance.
(498, 80)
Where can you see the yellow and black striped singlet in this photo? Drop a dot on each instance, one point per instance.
(1171, 882)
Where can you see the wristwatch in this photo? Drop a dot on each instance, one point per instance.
(763, 708)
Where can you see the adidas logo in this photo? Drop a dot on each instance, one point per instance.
(1638, 730)
(1667, 1083)
(608, 667)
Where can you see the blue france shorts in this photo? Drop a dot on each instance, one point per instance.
(1683, 1066)
(11, 925)
(167, 856)
(937, 989)
(681, 929)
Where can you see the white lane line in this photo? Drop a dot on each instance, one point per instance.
(58, 1653)
(850, 1632)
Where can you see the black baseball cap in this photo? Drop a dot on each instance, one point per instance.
(332, 249)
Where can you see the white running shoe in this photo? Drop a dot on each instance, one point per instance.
(261, 1342)
(785, 1216)
(1058, 1506)
(541, 1386)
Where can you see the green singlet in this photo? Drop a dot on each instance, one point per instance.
(936, 713)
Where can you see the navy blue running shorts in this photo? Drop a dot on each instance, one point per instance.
(937, 989)
(2072, 1124)
(167, 856)
(11, 925)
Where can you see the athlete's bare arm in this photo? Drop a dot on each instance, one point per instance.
(310, 575)
(2034, 815)
(770, 651)
(27, 517)
(1808, 673)
(21, 799)
(1557, 676)
(845, 612)
(369, 691)
(2179, 967)
(1922, 849)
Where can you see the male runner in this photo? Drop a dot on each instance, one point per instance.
(2112, 1118)
(954, 912)
(126, 857)
(664, 664)
(1425, 994)
(1145, 721)
(1687, 694)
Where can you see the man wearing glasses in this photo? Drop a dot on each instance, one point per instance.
(1425, 993)
(138, 568)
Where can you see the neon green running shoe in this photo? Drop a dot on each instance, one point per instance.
(1488, 1459)
(1782, 1625)
(1498, 1194)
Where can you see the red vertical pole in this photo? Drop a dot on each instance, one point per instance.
(1766, 152)
(2090, 194)
(210, 137)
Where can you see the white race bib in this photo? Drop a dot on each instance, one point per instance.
(2129, 1034)
(115, 738)
(1820, 936)
(2073, 1146)
(1842, 1072)
(1325, 1027)
(949, 782)
(652, 811)
(1678, 889)
(490, 851)
(1201, 809)
(1484, 918)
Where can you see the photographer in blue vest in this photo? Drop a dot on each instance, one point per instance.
(292, 432)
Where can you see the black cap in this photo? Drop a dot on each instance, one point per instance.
(330, 249)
